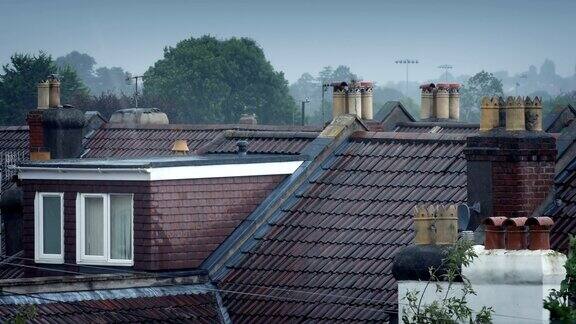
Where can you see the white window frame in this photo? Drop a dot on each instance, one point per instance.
(39, 255)
(81, 257)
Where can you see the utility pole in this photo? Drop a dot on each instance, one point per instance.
(406, 62)
(445, 67)
(324, 88)
(129, 78)
(304, 102)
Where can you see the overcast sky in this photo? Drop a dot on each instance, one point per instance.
(303, 36)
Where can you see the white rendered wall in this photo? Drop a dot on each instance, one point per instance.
(513, 283)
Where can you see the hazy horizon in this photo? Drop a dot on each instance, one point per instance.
(304, 36)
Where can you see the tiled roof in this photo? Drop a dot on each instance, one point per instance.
(11, 266)
(120, 141)
(263, 142)
(190, 308)
(13, 148)
(564, 211)
(327, 254)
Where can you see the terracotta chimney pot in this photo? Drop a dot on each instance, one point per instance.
(495, 234)
(539, 232)
(54, 90)
(515, 116)
(339, 99)
(43, 95)
(424, 227)
(515, 233)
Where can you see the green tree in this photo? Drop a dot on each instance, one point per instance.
(480, 85)
(209, 80)
(18, 82)
(101, 80)
(562, 303)
(453, 307)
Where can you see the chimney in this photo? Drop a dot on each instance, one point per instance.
(54, 92)
(427, 101)
(454, 101)
(248, 119)
(510, 170)
(55, 132)
(366, 93)
(442, 102)
(354, 100)
(43, 95)
(515, 116)
(339, 99)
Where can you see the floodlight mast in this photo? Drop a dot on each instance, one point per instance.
(406, 62)
(445, 67)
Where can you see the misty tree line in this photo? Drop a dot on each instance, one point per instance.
(206, 80)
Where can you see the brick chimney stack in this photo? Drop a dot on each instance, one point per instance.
(510, 169)
(55, 132)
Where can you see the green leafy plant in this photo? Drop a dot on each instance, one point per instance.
(24, 314)
(453, 306)
(562, 303)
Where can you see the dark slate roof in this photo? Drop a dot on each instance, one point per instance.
(11, 266)
(437, 127)
(262, 142)
(559, 118)
(327, 254)
(388, 108)
(121, 141)
(188, 308)
(563, 208)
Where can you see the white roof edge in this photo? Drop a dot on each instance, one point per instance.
(159, 173)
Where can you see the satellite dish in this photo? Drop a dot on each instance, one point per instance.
(463, 217)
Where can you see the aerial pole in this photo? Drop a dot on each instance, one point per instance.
(129, 78)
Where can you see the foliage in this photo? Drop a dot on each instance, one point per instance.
(209, 80)
(562, 303)
(453, 307)
(99, 80)
(18, 82)
(24, 315)
(480, 85)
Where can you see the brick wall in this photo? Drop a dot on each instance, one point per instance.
(36, 130)
(177, 224)
(190, 218)
(510, 174)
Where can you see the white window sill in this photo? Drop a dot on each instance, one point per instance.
(119, 263)
(49, 260)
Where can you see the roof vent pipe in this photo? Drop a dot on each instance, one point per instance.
(242, 147)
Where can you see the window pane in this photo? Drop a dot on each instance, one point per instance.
(94, 225)
(52, 236)
(121, 227)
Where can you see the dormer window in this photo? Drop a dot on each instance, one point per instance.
(48, 229)
(104, 231)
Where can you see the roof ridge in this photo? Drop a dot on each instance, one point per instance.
(215, 127)
(401, 136)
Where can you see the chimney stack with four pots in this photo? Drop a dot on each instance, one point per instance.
(440, 102)
(354, 98)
